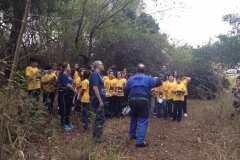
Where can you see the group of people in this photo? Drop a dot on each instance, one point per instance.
(107, 95)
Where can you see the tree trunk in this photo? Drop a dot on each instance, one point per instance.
(12, 76)
(18, 11)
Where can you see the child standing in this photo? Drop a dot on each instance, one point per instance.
(85, 98)
(120, 85)
(110, 85)
(33, 77)
(178, 89)
(236, 94)
(170, 95)
(48, 81)
(185, 81)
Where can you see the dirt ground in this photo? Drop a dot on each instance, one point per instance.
(204, 134)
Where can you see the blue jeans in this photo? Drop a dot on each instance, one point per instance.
(141, 124)
(85, 116)
(149, 106)
(99, 120)
(162, 106)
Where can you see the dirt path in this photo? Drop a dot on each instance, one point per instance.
(167, 139)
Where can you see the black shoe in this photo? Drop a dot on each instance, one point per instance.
(232, 115)
(117, 116)
(179, 119)
(144, 144)
(134, 137)
(173, 120)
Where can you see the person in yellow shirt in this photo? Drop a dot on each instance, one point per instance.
(110, 85)
(161, 99)
(75, 74)
(106, 77)
(169, 95)
(178, 99)
(185, 81)
(154, 94)
(85, 98)
(33, 79)
(49, 80)
(120, 85)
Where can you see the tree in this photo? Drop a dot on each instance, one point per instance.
(12, 75)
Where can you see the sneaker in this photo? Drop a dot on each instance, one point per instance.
(185, 114)
(71, 126)
(59, 116)
(154, 115)
(179, 120)
(58, 108)
(65, 127)
(72, 108)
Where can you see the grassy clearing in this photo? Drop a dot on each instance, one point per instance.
(207, 133)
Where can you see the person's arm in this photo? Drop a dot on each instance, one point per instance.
(188, 79)
(97, 94)
(28, 76)
(69, 86)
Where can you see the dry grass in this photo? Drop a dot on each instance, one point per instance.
(207, 133)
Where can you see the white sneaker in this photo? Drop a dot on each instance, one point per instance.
(58, 108)
(185, 114)
(72, 108)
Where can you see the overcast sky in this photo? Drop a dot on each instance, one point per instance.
(193, 21)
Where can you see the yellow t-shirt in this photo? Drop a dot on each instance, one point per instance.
(34, 82)
(161, 91)
(120, 85)
(110, 86)
(105, 78)
(154, 92)
(85, 86)
(75, 75)
(180, 87)
(185, 82)
(78, 81)
(169, 88)
(48, 87)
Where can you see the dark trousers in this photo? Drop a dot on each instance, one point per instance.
(85, 115)
(65, 106)
(111, 104)
(34, 99)
(119, 104)
(185, 104)
(99, 120)
(169, 106)
(177, 109)
(48, 100)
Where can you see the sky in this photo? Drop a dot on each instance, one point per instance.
(192, 21)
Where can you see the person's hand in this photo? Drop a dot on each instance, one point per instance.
(101, 105)
(75, 92)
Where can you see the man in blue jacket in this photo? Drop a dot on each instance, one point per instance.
(139, 87)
